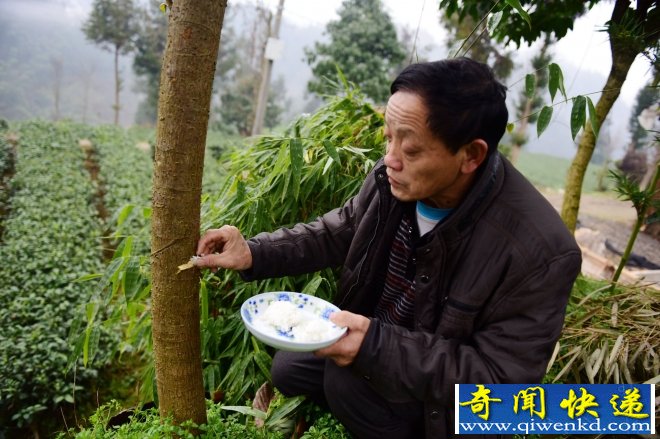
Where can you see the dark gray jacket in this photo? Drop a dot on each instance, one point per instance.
(492, 284)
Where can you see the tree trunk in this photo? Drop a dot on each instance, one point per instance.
(521, 133)
(57, 85)
(117, 86)
(183, 112)
(622, 59)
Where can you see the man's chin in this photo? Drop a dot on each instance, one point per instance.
(402, 196)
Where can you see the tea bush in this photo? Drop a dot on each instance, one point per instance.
(50, 239)
(7, 160)
(53, 237)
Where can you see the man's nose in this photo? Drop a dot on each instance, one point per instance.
(391, 158)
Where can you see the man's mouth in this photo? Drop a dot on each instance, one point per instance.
(393, 182)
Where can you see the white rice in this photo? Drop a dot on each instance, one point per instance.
(286, 317)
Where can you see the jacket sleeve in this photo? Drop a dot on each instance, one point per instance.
(310, 247)
(513, 345)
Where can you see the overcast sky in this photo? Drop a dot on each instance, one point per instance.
(585, 49)
(583, 54)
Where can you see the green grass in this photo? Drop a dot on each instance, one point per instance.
(548, 171)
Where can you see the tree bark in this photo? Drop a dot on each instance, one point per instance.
(183, 113)
(521, 133)
(622, 59)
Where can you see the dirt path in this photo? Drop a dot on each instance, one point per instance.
(613, 219)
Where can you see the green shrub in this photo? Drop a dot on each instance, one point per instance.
(50, 239)
(221, 424)
(7, 162)
(315, 166)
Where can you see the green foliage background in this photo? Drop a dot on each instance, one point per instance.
(54, 235)
(50, 238)
(363, 44)
(314, 166)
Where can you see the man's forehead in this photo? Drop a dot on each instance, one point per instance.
(406, 111)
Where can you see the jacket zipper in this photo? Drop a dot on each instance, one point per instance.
(366, 253)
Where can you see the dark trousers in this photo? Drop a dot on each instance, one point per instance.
(350, 398)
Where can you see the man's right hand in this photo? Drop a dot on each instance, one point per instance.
(223, 248)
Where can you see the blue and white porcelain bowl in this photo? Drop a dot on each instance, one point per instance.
(315, 310)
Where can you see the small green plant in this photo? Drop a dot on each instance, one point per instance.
(642, 200)
(223, 422)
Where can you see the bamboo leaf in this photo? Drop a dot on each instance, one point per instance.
(94, 343)
(615, 351)
(240, 190)
(313, 285)
(555, 81)
(88, 333)
(654, 380)
(289, 405)
(494, 20)
(593, 119)
(90, 310)
(91, 343)
(530, 85)
(555, 352)
(124, 213)
(296, 149)
(328, 163)
(544, 120)
(131, 280)
(578, 115)
(209, 375)
(515, 4)
(576, 353)
(205, 303)
(600, 360)
(332, 151)
(87, 277)
(245, 410)
(263, 361)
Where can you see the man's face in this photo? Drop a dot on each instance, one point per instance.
(419, 165)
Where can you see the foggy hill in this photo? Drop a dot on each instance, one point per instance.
(35, 34)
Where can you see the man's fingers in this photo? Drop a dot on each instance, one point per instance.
(212, 260)
(342, 318)
(212, 241)
(224, 247)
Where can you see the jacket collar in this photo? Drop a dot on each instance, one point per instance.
(487, 184)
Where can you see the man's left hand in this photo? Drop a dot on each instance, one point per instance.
(344, 351)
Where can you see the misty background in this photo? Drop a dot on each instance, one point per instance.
(42, 45)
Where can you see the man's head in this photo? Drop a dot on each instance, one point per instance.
(441, 122)
(463, 99)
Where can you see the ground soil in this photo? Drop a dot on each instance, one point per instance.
(613, 219)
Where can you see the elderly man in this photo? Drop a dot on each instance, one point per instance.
(455, 269)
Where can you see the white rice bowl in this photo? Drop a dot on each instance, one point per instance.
(291, 321)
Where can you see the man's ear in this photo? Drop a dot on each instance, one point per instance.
(474, 153)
